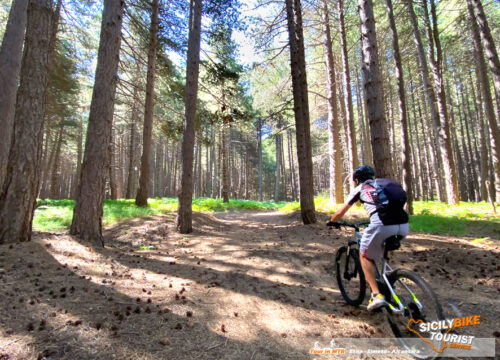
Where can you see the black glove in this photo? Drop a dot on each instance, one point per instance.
(335, 224)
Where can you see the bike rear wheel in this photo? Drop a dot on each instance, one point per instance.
(411, 289)
(350, 277)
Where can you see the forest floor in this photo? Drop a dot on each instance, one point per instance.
(245, 285)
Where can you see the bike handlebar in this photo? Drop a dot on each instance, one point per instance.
(338, 224)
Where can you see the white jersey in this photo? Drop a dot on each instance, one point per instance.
(364, 196)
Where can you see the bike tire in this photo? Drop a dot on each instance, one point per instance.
(432, 301)
(352, 258)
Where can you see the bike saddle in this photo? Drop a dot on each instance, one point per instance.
(392, 243)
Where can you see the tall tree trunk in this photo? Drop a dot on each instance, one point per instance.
(334, 147)
(208, 174)
(142, 194)
(200, 171)
(219, 160)
(176, 161)
(283, 168)
(374, 92)
(47, 166)
(131, 163)
(429, 151)
(196, 173)
(10, 65)
(483, 129)
(79, 155)
(230, 150)
(277, 171)
(185, 212)
(366, 152)
(247, 168)
(348, 91)
(468, 146)
(451, 178)
(259, 150)
(113, 187)
(215, 184)
(403, 118)
(54, 182)
(464, 181)
(20, 188)
(87, 215)
(292, 165)
(489, 46)
(226, 181)
(429, 91)
(417, 115)
(301, 110)
(480, 30)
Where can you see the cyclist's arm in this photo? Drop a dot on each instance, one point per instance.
(337, 215)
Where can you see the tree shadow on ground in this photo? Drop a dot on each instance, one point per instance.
(173, 300)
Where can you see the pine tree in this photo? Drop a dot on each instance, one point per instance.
(88, 212)
(20, 188)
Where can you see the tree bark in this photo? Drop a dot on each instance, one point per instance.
(301, 110)
(20, 188)
(348, 91)
(143, 191)
(489, 46)
(226, 180)
(185, 212)
(374, 92)
(87, 215)
(131, 163)
(451, 178)
(54, 181)
(259, 150)
(215, 176)
(10, 64)
(403, 117)
(429, 91)
(113, 186)
(277, 172)
(480, 30)
(483, 130)
(334, 147)
(79, 155)
(366, 152)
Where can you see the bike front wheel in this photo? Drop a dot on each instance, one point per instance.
(350, 276)
(420, 303)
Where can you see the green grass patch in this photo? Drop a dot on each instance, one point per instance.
(472, 219)
(56, 215)
(53, 215)
(468, 218)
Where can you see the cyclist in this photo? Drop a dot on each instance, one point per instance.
(372, 242)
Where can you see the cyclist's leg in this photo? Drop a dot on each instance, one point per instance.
(368, 266)
(372, 249)
(368, 254)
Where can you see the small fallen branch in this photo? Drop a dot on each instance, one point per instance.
(214, 346)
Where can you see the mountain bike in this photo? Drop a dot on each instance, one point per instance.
(408, 296)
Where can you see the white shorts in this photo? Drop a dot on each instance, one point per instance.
(374, 237)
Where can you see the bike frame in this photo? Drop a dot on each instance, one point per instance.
(387, 271)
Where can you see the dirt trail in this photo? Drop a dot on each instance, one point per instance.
(245, 285)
